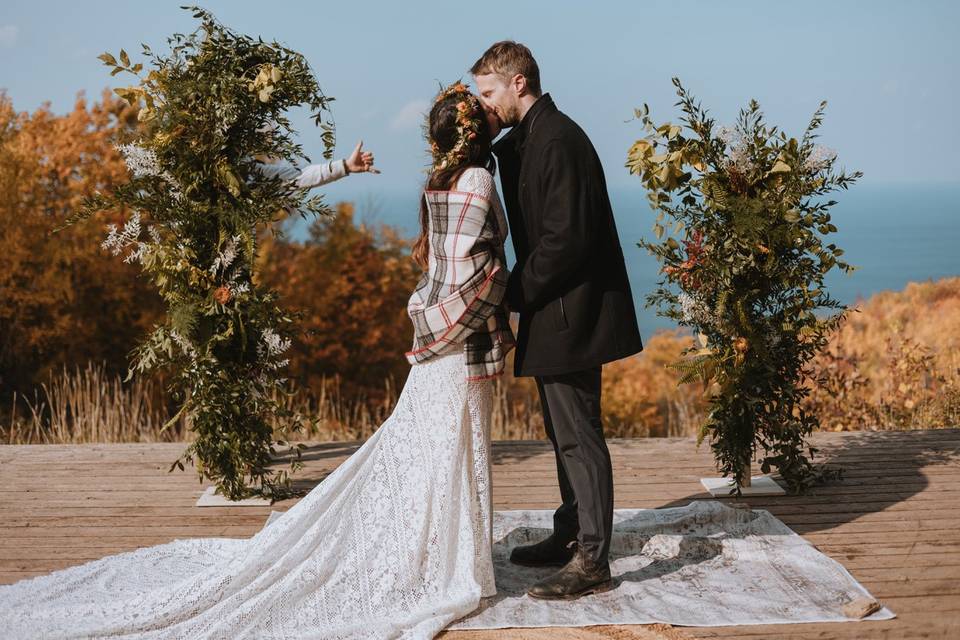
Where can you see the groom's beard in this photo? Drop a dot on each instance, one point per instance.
(510, 119)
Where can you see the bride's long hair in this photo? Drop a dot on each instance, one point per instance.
(442, 132)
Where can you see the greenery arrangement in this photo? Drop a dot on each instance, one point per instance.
(746, 204)
(209, 110)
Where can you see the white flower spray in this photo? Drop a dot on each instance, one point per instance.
(273, 345)
(696, 311)
(728, 135)
(144, 163)
(129, 236)
(183, 343)
(820, 158)
(226, 257)
(117, 240)
(737, 149)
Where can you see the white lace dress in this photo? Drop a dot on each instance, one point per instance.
(395, 543)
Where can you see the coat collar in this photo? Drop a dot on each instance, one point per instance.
(517, 136)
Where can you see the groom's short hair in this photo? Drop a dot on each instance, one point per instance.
(509, 58)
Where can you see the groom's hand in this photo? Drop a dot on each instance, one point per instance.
(360, 161)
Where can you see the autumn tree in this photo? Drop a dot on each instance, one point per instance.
(350, 283)
(63, 300)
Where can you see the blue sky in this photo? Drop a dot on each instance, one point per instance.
(888, 69)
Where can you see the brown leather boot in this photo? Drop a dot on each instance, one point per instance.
(549, 552)
(579, 577)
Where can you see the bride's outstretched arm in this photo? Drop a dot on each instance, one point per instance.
(314, 175)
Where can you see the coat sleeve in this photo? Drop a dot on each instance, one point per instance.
(564, 245)
(311, 176)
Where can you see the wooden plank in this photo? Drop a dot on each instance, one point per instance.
(946, 527)
(894, 520)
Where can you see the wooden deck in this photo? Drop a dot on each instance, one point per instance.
(893, 522)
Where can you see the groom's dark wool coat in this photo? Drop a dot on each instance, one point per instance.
(570, 282)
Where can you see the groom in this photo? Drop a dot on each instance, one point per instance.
(570, 288)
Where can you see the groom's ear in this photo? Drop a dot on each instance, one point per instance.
(519, 83)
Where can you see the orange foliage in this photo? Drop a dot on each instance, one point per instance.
(641, 397)
(351, 285)
(63, 299)
(895, 362)
(925, 312)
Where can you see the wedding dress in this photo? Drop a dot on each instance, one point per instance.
(394, 543)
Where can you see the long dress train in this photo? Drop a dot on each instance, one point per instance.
(395, 543)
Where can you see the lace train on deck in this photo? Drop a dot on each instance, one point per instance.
(395, 543)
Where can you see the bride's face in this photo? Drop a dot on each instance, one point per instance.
(493, 122)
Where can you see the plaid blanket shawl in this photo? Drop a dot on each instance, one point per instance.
(459, 298)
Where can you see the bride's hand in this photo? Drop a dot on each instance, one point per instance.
(360, 161)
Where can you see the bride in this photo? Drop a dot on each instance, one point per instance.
(397, 541)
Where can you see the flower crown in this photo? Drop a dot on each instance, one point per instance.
(467, 127)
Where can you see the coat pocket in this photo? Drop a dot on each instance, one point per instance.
(561, 315)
